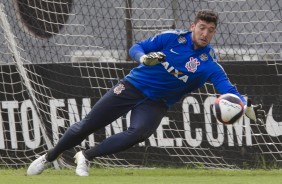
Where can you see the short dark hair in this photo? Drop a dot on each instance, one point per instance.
(207, 15)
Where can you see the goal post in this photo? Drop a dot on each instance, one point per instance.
(12, 45)
(58, 58)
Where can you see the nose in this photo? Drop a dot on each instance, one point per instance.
(205, 33)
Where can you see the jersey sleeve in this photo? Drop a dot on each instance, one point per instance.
(152, 44)
(222, 84)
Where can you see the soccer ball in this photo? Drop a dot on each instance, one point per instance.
(228, 108)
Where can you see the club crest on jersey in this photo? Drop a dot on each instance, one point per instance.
(118, 89)
(192, 65)
(181, 39)
(204, 57)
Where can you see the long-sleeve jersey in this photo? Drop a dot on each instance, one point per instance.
(184, 70)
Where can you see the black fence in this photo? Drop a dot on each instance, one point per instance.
(198, 141)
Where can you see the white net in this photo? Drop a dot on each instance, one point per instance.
(59, 57)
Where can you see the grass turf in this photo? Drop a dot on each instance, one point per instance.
(144, 176)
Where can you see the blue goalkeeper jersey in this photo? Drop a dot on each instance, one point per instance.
(183, 71)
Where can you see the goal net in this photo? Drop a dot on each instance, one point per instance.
(57, 58)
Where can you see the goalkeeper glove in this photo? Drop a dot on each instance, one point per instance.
(152, 59)
(254, 112)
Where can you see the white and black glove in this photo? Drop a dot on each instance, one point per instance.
(254, 112)
(152, 58)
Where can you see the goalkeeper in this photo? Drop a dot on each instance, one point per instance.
(172, 64)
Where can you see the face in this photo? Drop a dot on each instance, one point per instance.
(202, 33)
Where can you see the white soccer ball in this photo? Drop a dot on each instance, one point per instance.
(228, 108)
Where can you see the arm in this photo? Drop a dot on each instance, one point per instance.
(223, 85)
(139, 49)
(152, 45)
(153, 58)
(136, 51)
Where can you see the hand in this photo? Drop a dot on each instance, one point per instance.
(153, 58)
(254, 112)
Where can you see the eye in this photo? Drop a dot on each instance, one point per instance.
(211, 30)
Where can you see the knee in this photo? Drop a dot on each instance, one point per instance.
(78, 128)
(139, 134)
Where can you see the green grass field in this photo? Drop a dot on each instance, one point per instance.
(144, 176)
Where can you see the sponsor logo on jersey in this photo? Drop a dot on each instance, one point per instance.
(118, 89)
(173, 71)
(192, 65)
(181, 39)
(171, 50)
(204, 57)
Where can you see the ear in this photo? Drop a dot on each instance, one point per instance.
(193, 25)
